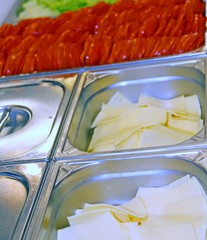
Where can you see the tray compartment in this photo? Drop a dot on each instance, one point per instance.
(31, 112)
(161, 81)
(19, 186)
(105, 181)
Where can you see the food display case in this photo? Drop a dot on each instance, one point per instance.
(56, 78)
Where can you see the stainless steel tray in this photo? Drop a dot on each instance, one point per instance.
(31, 112)
(11, 19)
(70, 184)
(19, 187)
(164, 80)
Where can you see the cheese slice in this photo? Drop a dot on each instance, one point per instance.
(151, 122)
(131, 142)
(159, 136)
(104, 148)
(192, 126)
(177, 210)
(193, 106)
(177, 104)
(102, 135)
(117, 104)
(187, 107)
(88, 215)
(192, 210)
(101, 227)
(116, 211)
(166, 232)
(147, 192)
(187, 190)
(135, 206)
(137, 118)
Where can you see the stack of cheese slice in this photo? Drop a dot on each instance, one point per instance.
(150, 122)
(177, 211)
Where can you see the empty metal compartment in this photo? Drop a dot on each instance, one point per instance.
(104, 181)
(30, 115)
(19, 185)
(160, 81)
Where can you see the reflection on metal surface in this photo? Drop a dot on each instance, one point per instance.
(13, 118)
(31, 169)
(28, 116)
(12, 198)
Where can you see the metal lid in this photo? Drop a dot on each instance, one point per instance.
(27, 115)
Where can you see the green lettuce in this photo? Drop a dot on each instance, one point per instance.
(66, 5)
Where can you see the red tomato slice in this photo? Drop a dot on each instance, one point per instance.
(91, 53)
(29, 62)
(137, 49)
(178, 29)
(120, 51)
(6, 30)
(2, 62)
(73, 55)
(170, 26)
(198, 6)
(150, 43)
(163, 22)
(149, 27)
(106, 49)
(165, 45)
(14, 61)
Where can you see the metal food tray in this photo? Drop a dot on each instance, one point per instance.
(70, 184)
(163, 80)
(73, 177)
(11, 19)
(31, 113)
(19, 188)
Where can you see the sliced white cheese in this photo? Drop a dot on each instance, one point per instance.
(178, 208)
(135, 206)
(177, 104)
(104, 147)
(193, 106)
(118, 99)
(139, 117)
(192, 126)
(187, 190)
(121, 213)
(103, 227)
(166, 232)
(89, 213)
(180, 133)
(195, 180)
(145, 192)
(151, 122)
(131, 142)
(102, 135)
(86, 216)
(117, 104)
(136, 119)
(158, 136)
(192, 210)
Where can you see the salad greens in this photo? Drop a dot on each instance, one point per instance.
(66, 5)
(53, 8)
(31, 9)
